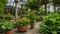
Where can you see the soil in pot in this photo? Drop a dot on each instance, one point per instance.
(9, 32)
(31, 25)
(22, 28)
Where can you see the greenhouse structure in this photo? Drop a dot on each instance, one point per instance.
(29, 16)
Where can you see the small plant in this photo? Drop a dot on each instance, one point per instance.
(22, 24)
(6, 26)
(23, 21)
(32, 17)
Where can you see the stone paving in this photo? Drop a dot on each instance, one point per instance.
(29, 31)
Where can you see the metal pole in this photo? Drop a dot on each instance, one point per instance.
(16, 10)
(16, 13)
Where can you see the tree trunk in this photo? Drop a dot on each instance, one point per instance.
(54, 8)
(21, 9)
(45, 9)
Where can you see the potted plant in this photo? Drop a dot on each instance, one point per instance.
(32, 24)
(7, 27)
(32, 18)
(22, 24)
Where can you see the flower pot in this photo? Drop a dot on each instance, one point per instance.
(9, 32)
(31, 25)
(22, 28)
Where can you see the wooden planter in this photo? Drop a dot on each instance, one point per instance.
(22, 28)
(9, 32)
(31, 25)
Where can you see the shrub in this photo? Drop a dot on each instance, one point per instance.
(50, 25)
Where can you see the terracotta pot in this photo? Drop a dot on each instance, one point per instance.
(31, 25)
(22, 28)
(9, 32)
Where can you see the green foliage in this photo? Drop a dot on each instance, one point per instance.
(8, 17)
(32, 17)
(23, 21)
(40, 11)
(38, 18)
(1, 22)
(50, 25)
(6, 25)
(33, 4)
(56, 1)
(44, 1)
(2, 4)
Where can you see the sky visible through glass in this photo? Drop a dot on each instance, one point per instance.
(11, 3)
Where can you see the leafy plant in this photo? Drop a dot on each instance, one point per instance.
(8, 17)
(33, 4)
(32, 17)
(38, 18)
(23, 21)
(6, 25)
(50, 25)
(1, 22)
